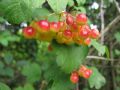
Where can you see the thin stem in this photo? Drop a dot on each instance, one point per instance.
(101, 58)
(117, 5)
(102, 21)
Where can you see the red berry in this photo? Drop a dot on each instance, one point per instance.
(67, 34)
(74, 78)
(94, 33)
(62, 25)
(75, 73)
(69, 19)
(87, 73)
(29, 32)
(84, 31)
(81, 19)
(54, 26)
(43, 25)
(87, 41)
(74, 27)
(81, 70)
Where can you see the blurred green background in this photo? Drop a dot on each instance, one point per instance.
(28, 65)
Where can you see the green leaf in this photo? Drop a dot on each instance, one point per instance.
(32, 72)
(34, 3)
(117, 52)
(2, 20)
(37, 13)
(4, 87)
(5, 38)
(58, 5)
(58, 85)
(61, 78)
(117, 36)
(70, 3)
(17, 11)
(1, 65)
(81, 2)
(81, 9)
(100, 48)
(26, 87)
(8, 57)
(53, 17)
(107, 52)
(96, 79)
(70, 57)
(9, 72)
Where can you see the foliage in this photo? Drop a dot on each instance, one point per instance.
(28, 65)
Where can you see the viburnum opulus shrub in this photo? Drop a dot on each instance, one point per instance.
(69, 33)
(69, 38)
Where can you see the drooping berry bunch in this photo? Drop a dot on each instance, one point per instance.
(68, 31)
(82, 72)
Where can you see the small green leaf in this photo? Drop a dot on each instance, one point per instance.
(8, 57)
(81, 2)
(4, 87)
(117, 36)
(81, 9)
(32, 72)
(26, 87)
(100, 48)
(8, 72)
(96, 79)
(58, 5)
(5, 38)
(117, 52)
(107, 52)
(70, 57)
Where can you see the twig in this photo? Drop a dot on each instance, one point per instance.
(117, 5)
(112, 69)
(77, 86)
(111, 25)
(101, 58)
(102, 21)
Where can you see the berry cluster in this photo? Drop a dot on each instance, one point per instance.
(68, 31)
(82, 72)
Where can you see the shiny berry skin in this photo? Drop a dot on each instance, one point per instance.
(81, 70)
(81, 19)
(54, 26)
(43, 25)
(74, 78)
(87, 73)
(94, 33)
(74, 27)
(87, 41)
(67, 34)
(69, 19)
(84, 31)
(29, 32)
(63, 25)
